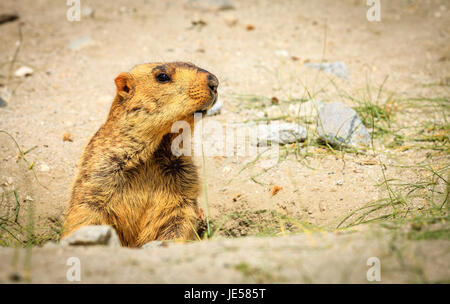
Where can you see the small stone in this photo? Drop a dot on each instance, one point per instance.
(3, 103)
(44, 167)
(340, 125)
(8, 181)
(322, 208)
(5, 93)
(210, 5)
(250, 27)
(198, 23)
(230, 20)
(276, 189)
(282, 53)
(92, 235)
(338, 69)
(67, 137)
(23, 71)
(216, 108)
(80, 43)
(340, 182)
(279, 133)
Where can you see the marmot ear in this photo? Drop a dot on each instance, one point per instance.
(124, 84)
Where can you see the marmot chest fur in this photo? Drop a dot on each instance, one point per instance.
(128, 176)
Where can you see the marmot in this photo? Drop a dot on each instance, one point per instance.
(128, 177)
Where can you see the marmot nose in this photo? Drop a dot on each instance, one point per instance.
(213, 82)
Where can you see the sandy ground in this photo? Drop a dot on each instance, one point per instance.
(71, 91)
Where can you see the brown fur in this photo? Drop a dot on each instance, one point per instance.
(128, 177)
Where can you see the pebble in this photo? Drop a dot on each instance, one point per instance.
(338, 69)
(211, 5)
(281, 53)
(92, 235)
(3, 103)
(340, 125)
(44, 167)
(230, 20)
(226, 169)
(80, 43)
(24, 71)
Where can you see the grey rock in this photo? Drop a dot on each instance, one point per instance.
(338, 69)
(80, 43)
(152, 244)
(214, 5)
(92, 235)
(3, 103)
(216, 108)
(340, 125)
(279, 133)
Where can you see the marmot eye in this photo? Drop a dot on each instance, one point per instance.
(163, 78)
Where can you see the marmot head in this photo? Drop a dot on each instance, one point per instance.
(164, 93)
